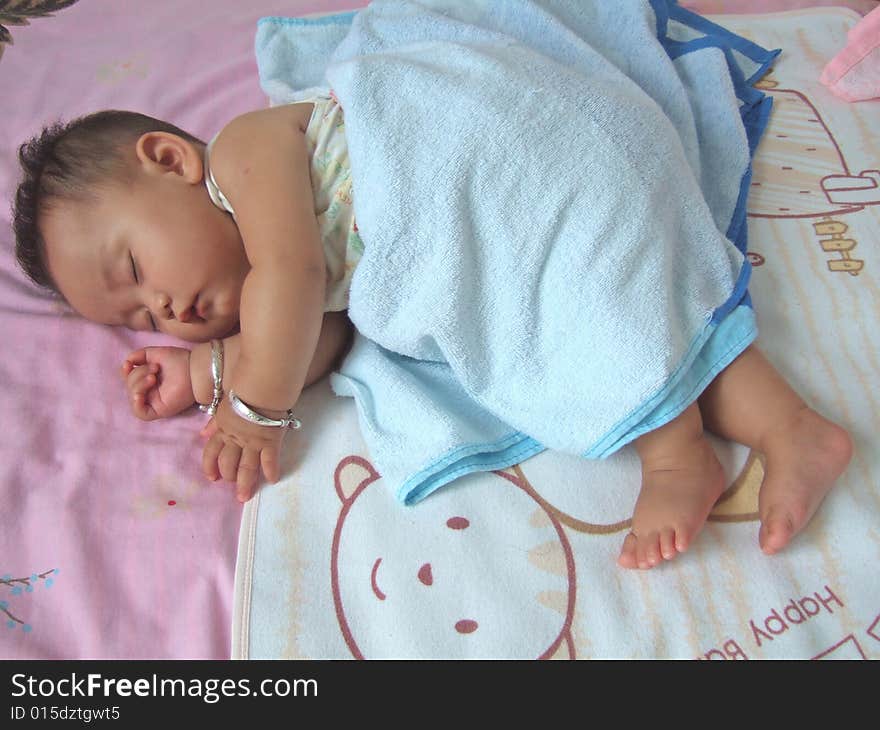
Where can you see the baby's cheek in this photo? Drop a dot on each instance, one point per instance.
(194, 332)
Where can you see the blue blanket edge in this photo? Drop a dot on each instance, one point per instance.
(344, 18)
(756, 106)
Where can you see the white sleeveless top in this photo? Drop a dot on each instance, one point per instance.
(332, 190)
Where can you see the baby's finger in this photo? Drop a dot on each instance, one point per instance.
(143, 410)
(128, 370)
(138, 357)
(140, 380)
(209, 429)
(142, 407)
(269, 460)
(138, 385)
(209, 457)
(128, 367)
(248, 474)
(228, 460)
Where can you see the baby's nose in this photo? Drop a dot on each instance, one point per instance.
(162, 307)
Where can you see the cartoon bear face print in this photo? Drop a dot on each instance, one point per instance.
(461, 574)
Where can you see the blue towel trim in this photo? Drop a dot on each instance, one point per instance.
(750, 50)
(722, 343)
(755, 119)
(305, 72)
(335, 19)
(755, 105)
(739, 296)
(754, 111)
(505, 452)
(661, 13)
(719, 344)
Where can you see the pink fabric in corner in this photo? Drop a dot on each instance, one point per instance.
(112, 544)
(706, 7)
(854, 73)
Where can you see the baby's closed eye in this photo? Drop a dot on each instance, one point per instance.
(145, 320)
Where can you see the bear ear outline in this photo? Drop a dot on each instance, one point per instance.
(352, 475)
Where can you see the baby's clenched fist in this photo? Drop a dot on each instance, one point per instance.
(158, 382)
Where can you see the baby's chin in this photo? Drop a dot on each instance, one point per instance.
(208, 333)
(203, 331)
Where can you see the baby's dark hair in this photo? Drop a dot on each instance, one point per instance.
(69, 161)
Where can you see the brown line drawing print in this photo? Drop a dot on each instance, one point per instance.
(846, 648)
(419, 586)
(800, 171)
(738, 503)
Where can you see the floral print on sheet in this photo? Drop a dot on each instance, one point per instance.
(15, 588)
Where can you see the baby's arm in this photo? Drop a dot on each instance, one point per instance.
(333, 343)
(163, 381)
(261, 162)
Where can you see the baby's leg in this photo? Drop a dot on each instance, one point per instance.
(751, 403)
(681, 481)
(333, 344)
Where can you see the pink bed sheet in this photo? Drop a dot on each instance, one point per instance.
(111, 542)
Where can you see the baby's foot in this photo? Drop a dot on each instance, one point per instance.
(805, 456)
(675, 500)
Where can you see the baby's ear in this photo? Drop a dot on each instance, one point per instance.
(163, 153)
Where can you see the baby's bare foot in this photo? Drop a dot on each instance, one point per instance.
(805, 456)
(676, 497)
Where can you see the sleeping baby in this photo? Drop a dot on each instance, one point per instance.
(249, 245)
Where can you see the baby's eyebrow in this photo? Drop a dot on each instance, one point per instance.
(104, 259)
(115, 264)
(110, 258)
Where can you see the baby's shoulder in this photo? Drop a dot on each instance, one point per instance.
(288, 118)
(262, 135)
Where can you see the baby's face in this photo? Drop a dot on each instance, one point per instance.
(155, 255)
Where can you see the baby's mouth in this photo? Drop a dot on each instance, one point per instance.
(194, 313)
(200, 308)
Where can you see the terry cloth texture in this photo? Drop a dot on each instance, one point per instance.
(551, 197)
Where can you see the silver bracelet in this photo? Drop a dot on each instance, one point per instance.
(217, 375)
(249, 414)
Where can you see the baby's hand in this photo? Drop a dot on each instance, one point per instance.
(236, 450)
(158, 381)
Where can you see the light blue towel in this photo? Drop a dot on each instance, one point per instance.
(552, 201)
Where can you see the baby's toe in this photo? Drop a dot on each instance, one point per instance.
(653, 550)
(667, 543)
(627, 558)
(648, 550)
(682, 539)
(777, 529)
